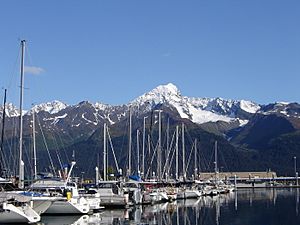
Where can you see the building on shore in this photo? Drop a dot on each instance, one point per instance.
(239, 175)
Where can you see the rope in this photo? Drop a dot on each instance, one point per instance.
(45, 143)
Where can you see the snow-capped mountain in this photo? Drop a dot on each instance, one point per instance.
(198, 110)
(283, 108)
(11, 110)
(50, 107)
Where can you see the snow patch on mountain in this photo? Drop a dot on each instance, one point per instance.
(89, 121)
(243, 122)
(57, 118)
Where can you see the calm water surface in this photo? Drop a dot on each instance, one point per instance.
(255, 207)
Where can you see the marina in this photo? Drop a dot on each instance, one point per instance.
(247, 206)
(212, 136)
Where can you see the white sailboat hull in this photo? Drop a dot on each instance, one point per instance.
(72, 206)
(23, 214)
(188, 194)
(40, 206)
(113, 200)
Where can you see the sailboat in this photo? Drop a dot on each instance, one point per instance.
(186, 192)
(64, 195)
(111, 192)
(15, 208)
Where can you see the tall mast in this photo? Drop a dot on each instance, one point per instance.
(195, 161)
(21, 163)
(176, 166)
(183, 153)
(104, 152)
(167, 152)
(216, 156)
(149, 153)
(216, 161)
(138, 151)
(2, 162)
(129, 144)
(143, 153)
(159, 147)
(34, 145)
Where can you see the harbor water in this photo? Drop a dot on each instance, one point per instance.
(246, 206)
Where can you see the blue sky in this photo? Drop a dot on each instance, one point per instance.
(113, 51)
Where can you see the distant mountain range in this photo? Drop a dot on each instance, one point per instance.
(251, 136)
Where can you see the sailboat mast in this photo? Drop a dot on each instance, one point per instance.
(149, 153)
(129, 143)
(176, 166)
(195, 160)
(143, 153)
(21, 164)
(138, 151)
(104, 152)
(183, 153)
(167, 152)
(2, 162)
(216, 156)
(34, 145)
(216, 162)
(159, 147)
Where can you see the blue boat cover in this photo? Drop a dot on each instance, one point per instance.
(135, 177)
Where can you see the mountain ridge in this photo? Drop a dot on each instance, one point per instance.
(199, 110)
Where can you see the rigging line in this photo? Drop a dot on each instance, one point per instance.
(167, 159)
(45, 143)
(222, 158)
(2, 160)
(27, 154)
(28, 55)
(212, 156)
(59, 159)
(190, 139)
(7, 154)
(188, 163)
(61, 141)
(154, 153)
(204, 161)
(123, 141)
(112, 149)
(171, 161)
(198, 156)
(13, 149)
(14, 68)
(56, 150)
(168, 163)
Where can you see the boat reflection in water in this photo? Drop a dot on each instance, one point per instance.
(251, 206)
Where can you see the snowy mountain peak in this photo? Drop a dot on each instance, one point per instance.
(161, 94)
(198, 110)
(166, 90)
(101, 106)
(50, 107)
(11, 110)
(249, 106)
